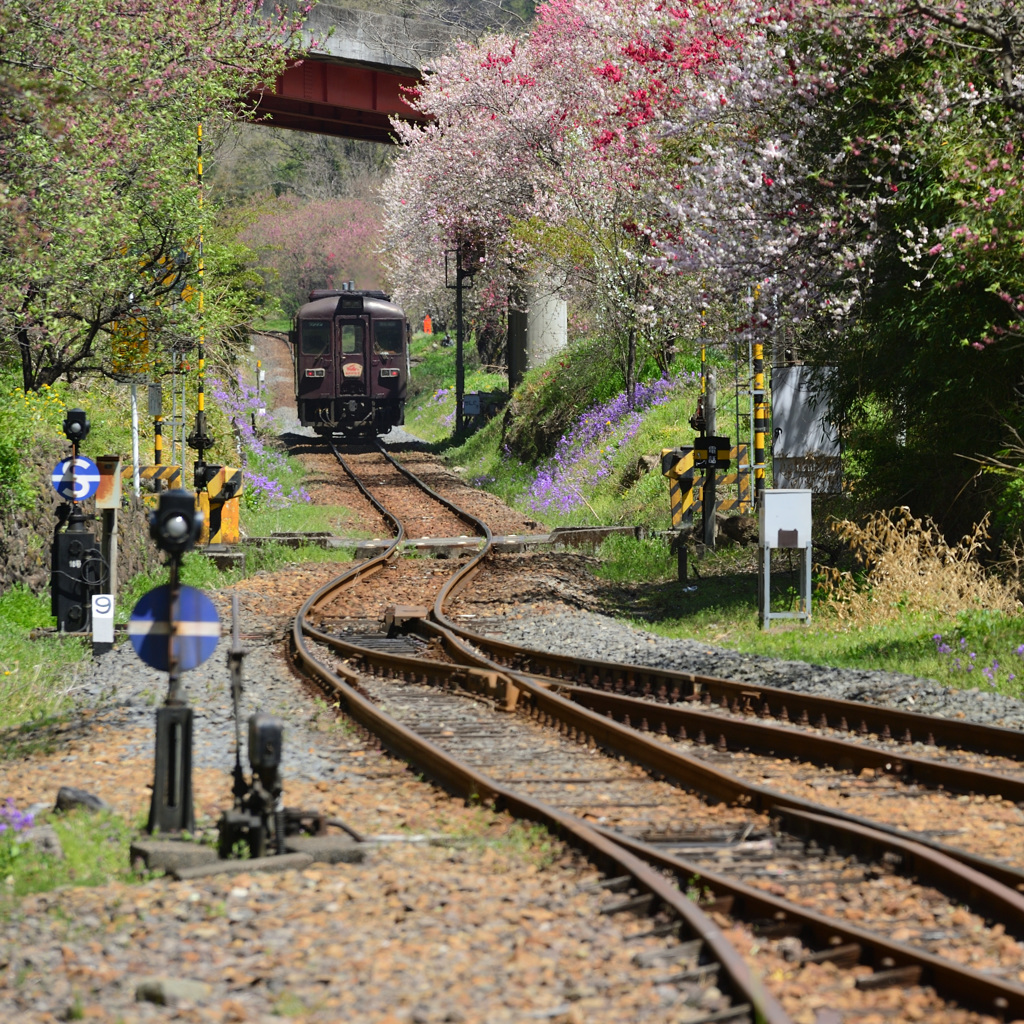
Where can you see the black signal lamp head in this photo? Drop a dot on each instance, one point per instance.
(176, 523)
(76, 426)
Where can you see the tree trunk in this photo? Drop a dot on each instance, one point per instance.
(25, 350)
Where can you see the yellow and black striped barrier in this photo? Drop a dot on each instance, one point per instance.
(154, 479)
(743, 501)
(219, 504)
(677, 465)
(685, 489)
(225, 484)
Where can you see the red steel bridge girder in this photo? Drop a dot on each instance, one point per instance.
(331, 98)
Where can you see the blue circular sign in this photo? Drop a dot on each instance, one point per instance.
(196, 632)
(76, 479)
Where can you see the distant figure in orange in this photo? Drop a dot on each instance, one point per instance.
(428, 327)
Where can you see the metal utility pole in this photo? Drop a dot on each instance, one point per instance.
(463, 279)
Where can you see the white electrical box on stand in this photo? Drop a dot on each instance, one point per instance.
(785, 522)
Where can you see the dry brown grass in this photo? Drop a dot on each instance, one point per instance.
(909, 567)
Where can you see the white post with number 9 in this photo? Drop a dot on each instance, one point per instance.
(102, 623)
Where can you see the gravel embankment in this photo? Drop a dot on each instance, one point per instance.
(570, 632)
(453, 916)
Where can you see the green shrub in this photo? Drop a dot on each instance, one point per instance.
(25, 418)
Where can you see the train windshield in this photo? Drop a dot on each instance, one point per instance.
(351, 339)
(316, 337)
(387, 335)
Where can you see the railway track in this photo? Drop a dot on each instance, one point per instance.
(433, 693)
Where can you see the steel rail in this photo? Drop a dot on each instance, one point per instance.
(883, 954)
(761, 701)
(824, 933)
(470, 784)
(473, 785)
(984, 992)
(370, 566)
(1001, 884)
(928, 862)
(763, 738)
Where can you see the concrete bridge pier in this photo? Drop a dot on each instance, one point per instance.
(537, 327)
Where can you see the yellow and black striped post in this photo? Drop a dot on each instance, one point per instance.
(760, 423)
(677, 465)
(202, 270)
(158, 440)
(199, 439)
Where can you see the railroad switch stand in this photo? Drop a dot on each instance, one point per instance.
(258, 816)
(259, 820)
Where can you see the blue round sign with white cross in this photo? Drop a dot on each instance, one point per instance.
(196, 632)
(76, 479)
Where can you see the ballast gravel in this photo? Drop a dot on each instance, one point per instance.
(457, 914)
(569, 632)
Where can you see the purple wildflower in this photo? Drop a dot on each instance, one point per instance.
(262, 466)
(560, 482)
(13, 819)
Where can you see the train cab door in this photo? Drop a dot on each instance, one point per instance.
(352, 362)
(314, 370)
(389, 359)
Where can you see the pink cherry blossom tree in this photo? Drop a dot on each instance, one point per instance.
(510, 160)
(305, 245)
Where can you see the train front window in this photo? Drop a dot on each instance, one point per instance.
(315, 336)
(387, 335)
(351, 339)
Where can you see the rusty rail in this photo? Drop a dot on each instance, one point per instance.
(760, 701)
(490, 677)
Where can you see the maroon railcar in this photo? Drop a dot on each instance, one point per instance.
(351, 355)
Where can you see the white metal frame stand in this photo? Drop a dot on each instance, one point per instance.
(764, 588)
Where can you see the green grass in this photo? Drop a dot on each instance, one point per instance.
(282, 324)
(629, 560)
(95, 852)
(33, 673)
(722, 610)
(302, 518)
(430, 411)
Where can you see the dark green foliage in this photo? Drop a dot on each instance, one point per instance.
(925, 399)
